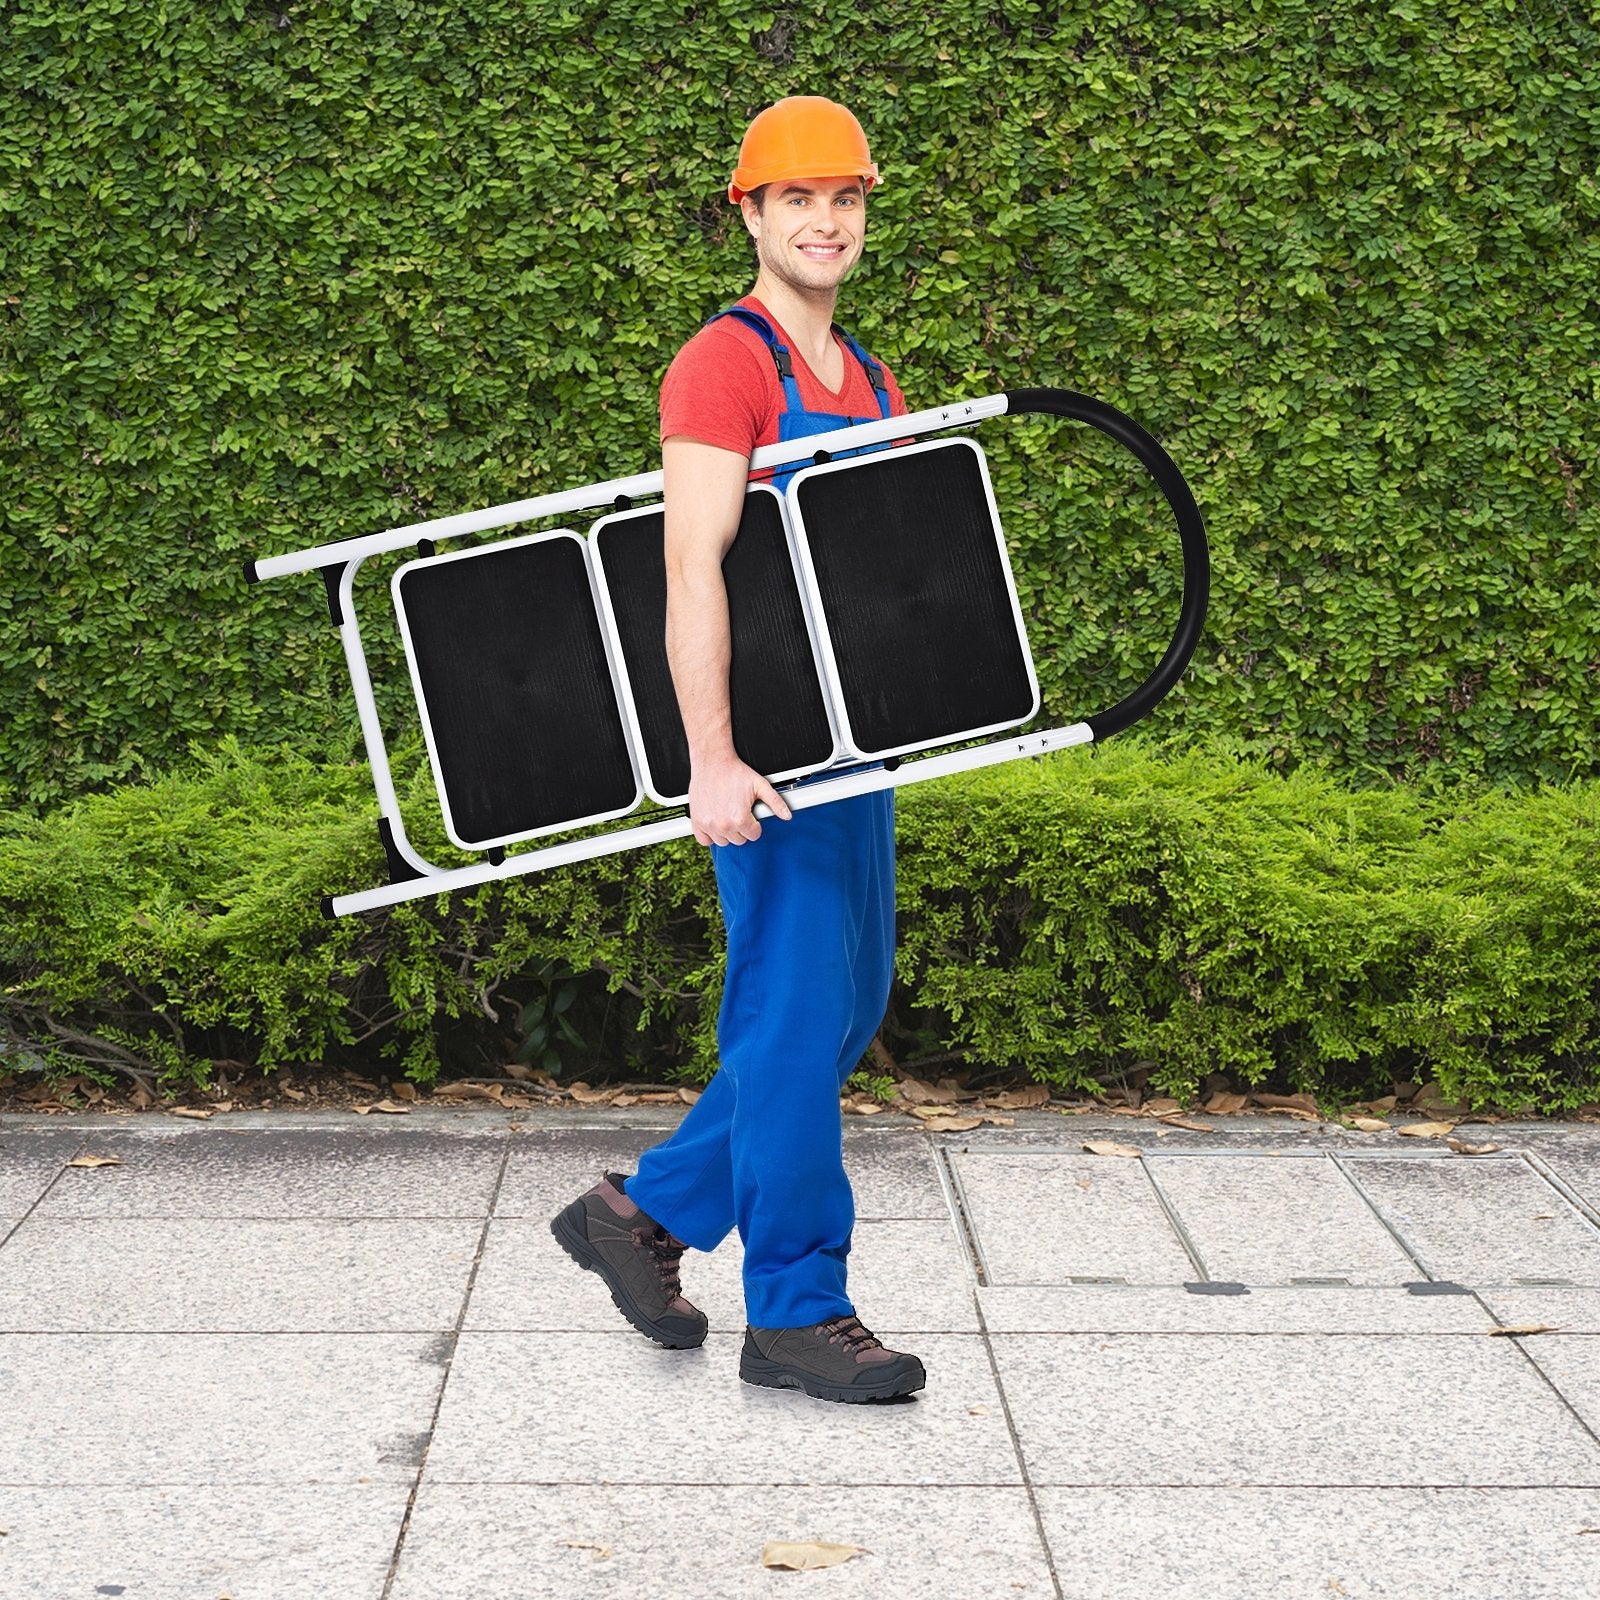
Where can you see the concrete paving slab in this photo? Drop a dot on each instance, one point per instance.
(1367, 1544)
(612, 1408)
(547, 1544)
(216, 1408)
(548, 1167)
(1052, 1216)
(1572, 1364)
(1302, 1409)
(1481, 1220)
(178, 1169)
(1571, 1310)
(1574, 1164)
(1255, 1219)
(289, 1542)
(193, 1275)
(905, 1276)
(892, 1172)
(1118, 1308)
(29, 1163)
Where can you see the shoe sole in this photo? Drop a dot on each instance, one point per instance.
(570, 1235)
(775, 1375)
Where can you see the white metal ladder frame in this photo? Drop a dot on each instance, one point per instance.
(414, 877)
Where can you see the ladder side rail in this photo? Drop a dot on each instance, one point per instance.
(815, 792)
(637, 487)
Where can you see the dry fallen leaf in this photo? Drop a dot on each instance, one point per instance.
(191, 1111)
(1426, 1130)
(953, 1124)
(1223, 1105)
(1521, 1330)
(94, 1161)
(626, 1100)
(977, 1411)
(1462, 1148)
(1109, 1147)
(998, 1122)
(864, 1106)
(806, 1555)
(917, 1092)
(1184, 1122)
(585, 1096)
(1035, 1095)
(1160, 1106)
(1285, 1102)
(660, 1098)
(601, 1551)
(468, 1091)
(1370, 1124)
(403, 1091)
(392, 1107)
(689, 1096)
(1298, 1113)
(142, 1098)
(293, 1094)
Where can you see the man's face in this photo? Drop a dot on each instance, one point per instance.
(809, 232)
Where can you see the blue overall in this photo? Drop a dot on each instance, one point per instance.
(809, 911)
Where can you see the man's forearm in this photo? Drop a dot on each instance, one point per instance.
(699, 652)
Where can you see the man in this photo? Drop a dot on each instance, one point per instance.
(808, 898)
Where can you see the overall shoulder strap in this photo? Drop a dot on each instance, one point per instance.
(780, 352)
(874, 372)
(754, 320)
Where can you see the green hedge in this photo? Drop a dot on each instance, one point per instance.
(276, 274)
(1198, 914)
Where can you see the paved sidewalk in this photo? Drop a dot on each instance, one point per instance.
(280, 1356)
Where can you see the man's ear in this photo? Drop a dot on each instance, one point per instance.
(752, 216)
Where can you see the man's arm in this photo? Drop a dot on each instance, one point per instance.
(704, 499)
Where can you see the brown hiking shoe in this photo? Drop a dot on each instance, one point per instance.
(834, 1360)
(605, 1232)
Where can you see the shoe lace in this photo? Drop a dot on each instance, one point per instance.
(851, 1332)
(665, 1254)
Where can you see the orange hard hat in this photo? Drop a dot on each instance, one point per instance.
(804, 136)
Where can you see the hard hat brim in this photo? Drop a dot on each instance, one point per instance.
(744, 182)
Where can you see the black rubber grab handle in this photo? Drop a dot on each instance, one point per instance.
(1191, 533)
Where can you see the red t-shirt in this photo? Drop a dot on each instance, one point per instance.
(723, 388)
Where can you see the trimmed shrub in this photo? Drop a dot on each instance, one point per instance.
(1196, 912)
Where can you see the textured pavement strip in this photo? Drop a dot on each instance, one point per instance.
(284, 1355)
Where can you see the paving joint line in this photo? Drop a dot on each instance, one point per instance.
(1390, 1227)
(1564, 1189)
(1543, 1376)
(955, 1195)
(1016, 1449)
(39, 1199)
(448, 1363)
(1175, 1222)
